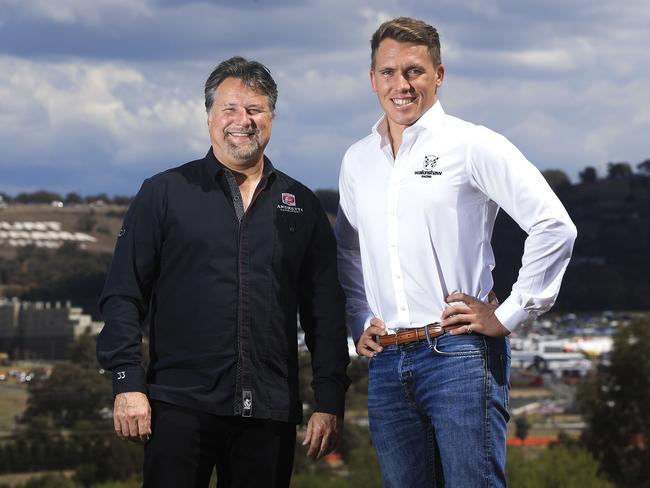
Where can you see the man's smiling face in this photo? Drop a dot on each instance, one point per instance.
(405, 80)
(240, 123)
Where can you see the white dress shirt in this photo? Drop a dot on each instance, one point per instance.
(414, 228)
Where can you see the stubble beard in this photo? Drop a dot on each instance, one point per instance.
(245, 152)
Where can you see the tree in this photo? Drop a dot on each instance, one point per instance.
(556, 178)
(615, 404)
(40, 196)
(588, 175)
(74, 392)
(122, 200)
(87, 222)
(618, 171)
(557, 467)
(644, 167)
(102, 197)
(522, 426)
(82, 352)
(73, 198)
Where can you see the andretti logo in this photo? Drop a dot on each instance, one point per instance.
(428, 164)
(288, 203)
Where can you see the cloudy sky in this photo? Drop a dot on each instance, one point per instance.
(96, 95)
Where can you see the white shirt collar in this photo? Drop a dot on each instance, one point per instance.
(431, 120)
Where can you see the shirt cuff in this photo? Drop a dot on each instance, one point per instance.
(329, 398)
(129, 378)
(511, 315)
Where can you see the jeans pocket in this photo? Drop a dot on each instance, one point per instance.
(459, 345)
(504, 362)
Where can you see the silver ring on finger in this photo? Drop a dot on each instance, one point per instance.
(469, 328)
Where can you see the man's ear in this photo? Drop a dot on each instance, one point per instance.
(373, 81)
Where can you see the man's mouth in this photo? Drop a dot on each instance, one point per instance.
(240, 133)
(402, 102)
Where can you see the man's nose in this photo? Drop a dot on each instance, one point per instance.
(242, 117)
(402, 83)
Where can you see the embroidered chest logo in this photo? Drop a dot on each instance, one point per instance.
(428, 166)
(289, 199)
(289, 204)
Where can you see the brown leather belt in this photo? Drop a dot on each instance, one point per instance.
(411, 335)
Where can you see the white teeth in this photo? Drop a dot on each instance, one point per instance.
(402, 101)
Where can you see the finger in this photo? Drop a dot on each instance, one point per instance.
(377, 322)
(144, 429)
(368, 348)
(455, 310)
(362, 351)
(462, 329)
(459, 297)
(314, 445)
(307, 438)
(374, 330)
(116, 425)
(132, 426)
(324, 446)
(369, 343)
(123, 430)
(366, 353)
(459, 319)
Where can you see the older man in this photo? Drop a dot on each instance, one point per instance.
(220, 254)
(419, 197)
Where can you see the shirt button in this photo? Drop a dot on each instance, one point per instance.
(403, 309)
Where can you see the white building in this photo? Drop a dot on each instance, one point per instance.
(41, 330)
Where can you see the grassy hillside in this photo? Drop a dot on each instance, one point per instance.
(101, 222)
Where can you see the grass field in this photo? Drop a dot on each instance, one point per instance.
(13, 400)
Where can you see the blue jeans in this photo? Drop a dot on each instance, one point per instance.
(438, 411)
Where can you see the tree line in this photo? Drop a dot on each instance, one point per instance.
(72, 198)
(609, 270)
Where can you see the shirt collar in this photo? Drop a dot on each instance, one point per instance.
(431, 120)
(214, 167)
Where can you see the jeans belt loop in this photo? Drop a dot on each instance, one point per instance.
(426, 332)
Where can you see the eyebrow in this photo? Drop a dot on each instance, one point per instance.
(249, 106)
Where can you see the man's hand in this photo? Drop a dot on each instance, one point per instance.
(472, 315)
(323, 432)
(366, 346)
(132, 416)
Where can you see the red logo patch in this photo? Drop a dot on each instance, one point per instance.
(289, 199)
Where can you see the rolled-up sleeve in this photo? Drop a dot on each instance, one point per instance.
(124, 302)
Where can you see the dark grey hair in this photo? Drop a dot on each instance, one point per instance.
(251, 73)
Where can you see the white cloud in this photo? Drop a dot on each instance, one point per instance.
(118, 83)
(92, 13)
(109, 112)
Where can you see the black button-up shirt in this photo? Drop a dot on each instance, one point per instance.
(222, 288)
